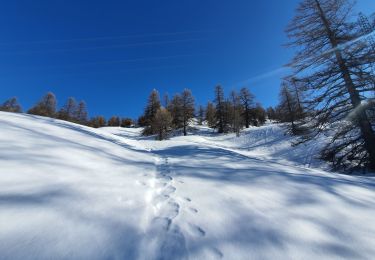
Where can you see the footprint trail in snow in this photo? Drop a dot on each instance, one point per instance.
(164, 238)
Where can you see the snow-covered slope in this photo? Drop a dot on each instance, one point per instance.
(72, 192)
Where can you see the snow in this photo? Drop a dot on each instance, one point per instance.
(72, 192)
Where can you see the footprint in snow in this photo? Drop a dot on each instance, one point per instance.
(217, 252)
(168, 190)
(162, 222)
(197, 230)
(193, 210)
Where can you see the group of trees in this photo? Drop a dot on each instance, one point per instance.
(100, 121)
(11, 105)
(72, 111)
(224, 114)
(176, 114)
(235, 112)
(333, 84)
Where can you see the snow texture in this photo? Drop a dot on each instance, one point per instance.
(72, 192)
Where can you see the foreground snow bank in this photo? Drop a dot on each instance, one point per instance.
(71, 192)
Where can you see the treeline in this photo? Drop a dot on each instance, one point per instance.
(71, 111)
(331, 91)
(225, 114)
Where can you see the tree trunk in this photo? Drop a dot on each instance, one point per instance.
(362, 120)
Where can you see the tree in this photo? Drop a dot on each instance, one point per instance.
(126, 122)
(45, 107)
(259, 115)
(288, 107)
(271, 113)
(334, 64)
(187, 106)
(81, 113)
(247, 100)
(166, 99)
(98, 121)
(142, 122)
(236, 112)
(68, 111)
(11, 105)
(211, 115)
(153, 105)
(200, 115)
(114, 121)
(220, 109)
(162, 123)
(175, 109)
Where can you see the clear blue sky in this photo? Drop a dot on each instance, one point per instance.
(113, 53)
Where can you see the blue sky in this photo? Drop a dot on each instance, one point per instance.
(113, 53)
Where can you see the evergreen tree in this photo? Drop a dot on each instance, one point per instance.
(200, 115)
(126, 122)
(220, 109)
(153, 105)
(288, 107)
(98, 121)
(45, 107)
(175, 109)
(68, 111)
(247, 100)
(166, 99)
(259, 115)
(327, 41)
(81, 113)
(11, 105)
(162, 123)
(236, 111)
(211, 115)
(114, 121)
(271, 113)
(187, 106)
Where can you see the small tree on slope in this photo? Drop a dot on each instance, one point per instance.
(11, 105)
(45, 107)
(162, 123)
(187, 108)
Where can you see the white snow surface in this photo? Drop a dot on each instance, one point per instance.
(73, 192)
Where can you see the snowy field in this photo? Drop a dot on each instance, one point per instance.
(72, 192)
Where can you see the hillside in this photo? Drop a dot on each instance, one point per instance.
(73, 192)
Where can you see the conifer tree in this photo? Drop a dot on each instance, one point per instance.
(175, 109)
(187, 106)
(45, 107)
(220, 109)
(200, 115)
(81, 113)
(98, 121)
(211, 115)
(247, 100)
(162, 123)
(114, 121)
(236, 112)
(126, 122)
(271, 113)
(68, 111)
(334, 62)
(11, 105)
(153, 105)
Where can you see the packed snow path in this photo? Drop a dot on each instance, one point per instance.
(72, 192)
